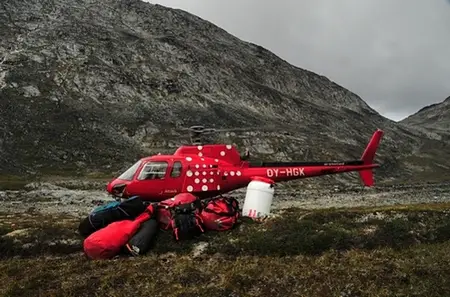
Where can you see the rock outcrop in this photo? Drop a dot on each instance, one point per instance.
(95, 84)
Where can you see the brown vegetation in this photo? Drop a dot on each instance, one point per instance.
(391, 251)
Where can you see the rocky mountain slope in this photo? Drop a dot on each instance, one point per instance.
(94, 84)
(435, 118)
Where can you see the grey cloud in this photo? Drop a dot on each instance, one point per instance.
(392, 53)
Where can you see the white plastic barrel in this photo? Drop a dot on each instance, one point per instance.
(258, 199)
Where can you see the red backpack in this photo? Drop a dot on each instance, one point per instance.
(181, 214)
(220, 213)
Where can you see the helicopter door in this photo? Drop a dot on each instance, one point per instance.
(175, 179)
(153, 179)
(201, 178)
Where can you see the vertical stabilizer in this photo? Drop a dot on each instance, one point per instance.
(368, 156)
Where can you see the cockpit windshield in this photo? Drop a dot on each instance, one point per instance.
(129, 173)
(153, 170)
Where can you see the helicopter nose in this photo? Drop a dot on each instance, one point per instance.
(109, 187)
(115, 187)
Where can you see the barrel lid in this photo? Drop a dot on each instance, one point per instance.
(263, 179)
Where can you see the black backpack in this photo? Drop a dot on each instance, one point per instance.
(98, 219)
(186, 221)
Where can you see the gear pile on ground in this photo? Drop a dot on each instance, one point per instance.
(131, 226)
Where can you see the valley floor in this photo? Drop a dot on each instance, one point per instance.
(78, 197)
(386, 241)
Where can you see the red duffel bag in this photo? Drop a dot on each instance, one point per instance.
(220, 214)
(108, 241)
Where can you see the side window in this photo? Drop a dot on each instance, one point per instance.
(176, 169)
(153, 170)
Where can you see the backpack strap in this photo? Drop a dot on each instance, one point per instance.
(231, 210)
(185, 208)
(121, 209)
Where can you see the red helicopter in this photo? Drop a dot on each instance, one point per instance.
(214, 169)
(210, 170)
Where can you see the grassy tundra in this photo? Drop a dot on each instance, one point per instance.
(385, 251)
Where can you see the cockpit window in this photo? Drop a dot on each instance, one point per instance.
(129, 173)
(153, 170)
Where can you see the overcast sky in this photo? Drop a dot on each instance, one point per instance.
(395, 54)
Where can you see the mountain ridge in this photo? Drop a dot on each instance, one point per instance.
(95, 84)
(434, 118)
